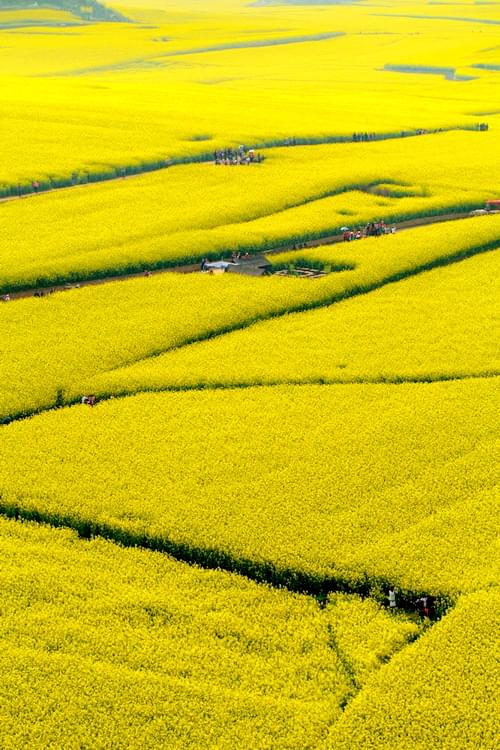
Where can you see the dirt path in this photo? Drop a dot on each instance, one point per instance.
(193, 268)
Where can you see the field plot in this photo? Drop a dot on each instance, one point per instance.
(188, 212)
(440, 325)
(53, 347)
(276, 527)
(228, 476)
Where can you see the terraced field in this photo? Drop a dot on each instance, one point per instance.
(277, 526)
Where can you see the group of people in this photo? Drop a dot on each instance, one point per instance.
(373, 229)
(65, 288)
(240, 155)
(425, 604)
(357, 137)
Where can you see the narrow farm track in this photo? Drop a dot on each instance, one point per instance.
(394, 380)
(383, 380)
(84, 177)
(211, 558)
(202, 387)
(194, 267)
(347, 666)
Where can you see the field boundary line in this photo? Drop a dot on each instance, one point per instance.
(73, 280)
(395, 380)
(355, 291)
(265, 572)
(246, 385)
(81, 176)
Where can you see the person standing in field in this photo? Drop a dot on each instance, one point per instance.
(392, 598)
(430, 610)
(422, 606)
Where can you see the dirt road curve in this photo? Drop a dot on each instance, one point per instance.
(192, 268)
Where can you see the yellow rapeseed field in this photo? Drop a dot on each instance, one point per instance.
(191, 211)
(331, 481)
(52, 347)
(440, 692)
(442, 324)
(133, 649)
(241, 560)
(149, 651)
(92, 98)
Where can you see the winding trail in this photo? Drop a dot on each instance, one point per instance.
(83, 176)
(195, 267)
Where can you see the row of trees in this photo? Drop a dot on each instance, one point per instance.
(89, 10)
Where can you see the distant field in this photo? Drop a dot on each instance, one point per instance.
(89, 100)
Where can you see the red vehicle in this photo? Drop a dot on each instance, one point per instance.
(493, 205)
(490, 207)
